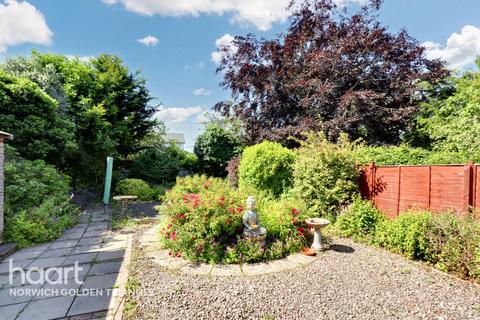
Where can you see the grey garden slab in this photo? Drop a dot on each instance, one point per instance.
(96, 233)
(46, 309)
(25, 255)
(86, 249)
(18, 294)
(55, 253)
(111, 255)
(37, 249)
(66, 289)
(71, 236)
(10, 312)
(47, 262)
(5, 266)
(90, 241)
(105, 268)
(81, 258)
(64, 244)
(91, 303)
(105, 281)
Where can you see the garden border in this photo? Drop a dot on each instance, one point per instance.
(151, 243)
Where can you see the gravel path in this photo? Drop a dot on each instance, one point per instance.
(352, 281)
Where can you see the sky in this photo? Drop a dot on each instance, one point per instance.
(173, 42)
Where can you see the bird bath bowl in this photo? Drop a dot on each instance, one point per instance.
(317, 224)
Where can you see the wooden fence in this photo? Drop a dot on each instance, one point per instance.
(438, 188)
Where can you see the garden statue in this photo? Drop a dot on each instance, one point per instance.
(251, 221)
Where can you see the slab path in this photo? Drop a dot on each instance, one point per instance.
(102, 259)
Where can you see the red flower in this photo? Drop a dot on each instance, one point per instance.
(239, 209)
(169, 226)
(294, 221)
(227, 221)
(230, 210)
(173, 235)
(301, 230)
(170, 253)
(179, 254)
(222, 198)
(295, 211)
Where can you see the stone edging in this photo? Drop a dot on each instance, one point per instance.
(150, 242)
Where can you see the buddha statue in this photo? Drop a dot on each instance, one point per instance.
(251, 222)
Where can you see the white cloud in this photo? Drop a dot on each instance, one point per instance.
(21, 22)
(461, 48)
(259, 13)
(176, 115)
(148, 41)
(224, 41)
(84, 59)
(201, 92)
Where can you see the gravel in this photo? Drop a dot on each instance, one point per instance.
(350, 281)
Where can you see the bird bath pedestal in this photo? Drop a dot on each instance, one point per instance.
(124, 200)
(317, 224)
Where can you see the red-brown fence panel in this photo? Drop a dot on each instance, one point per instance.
(438, 188)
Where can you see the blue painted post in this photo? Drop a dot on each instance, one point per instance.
(108, 181)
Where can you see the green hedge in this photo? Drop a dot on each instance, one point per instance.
(136, 187)
(37, 207)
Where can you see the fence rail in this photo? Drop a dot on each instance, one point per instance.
(438, 188)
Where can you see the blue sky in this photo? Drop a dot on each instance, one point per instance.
(177, 59)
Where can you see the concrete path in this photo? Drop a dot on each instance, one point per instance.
(89, 291)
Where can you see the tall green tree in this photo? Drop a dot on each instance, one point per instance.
(451, 118)
(34, 119)
(108, 105)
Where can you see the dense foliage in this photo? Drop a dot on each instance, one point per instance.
(37, 205)
(267, 167)
(404, 154)
(97, 108)
(449, 242)
(215, 147)
(204, 223)
(450, 119)
(40, 130)
(330, 71)
(135, 187)
(325, 174)
(232, 169)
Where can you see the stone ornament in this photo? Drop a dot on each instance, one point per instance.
(251, 222)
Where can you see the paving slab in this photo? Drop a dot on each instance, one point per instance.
(105, 268)
(81, 258)
(10, 312)
(16, 295)
(25, 255)
(63, 244)
(46, 309)
(47, 262)
(86, 249)
(90, 241)
(66, 289)
(91, 303)
(105, 281)
(5, 266)
(111, 255)
(56, 253)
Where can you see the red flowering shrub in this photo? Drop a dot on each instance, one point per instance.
(203, 222)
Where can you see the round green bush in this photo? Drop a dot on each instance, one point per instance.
(135, 187)
(325, 174)
(268, 167)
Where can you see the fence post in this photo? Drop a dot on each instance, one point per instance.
(467, 191)
(399, 173)
(373, 172)
(429, 187)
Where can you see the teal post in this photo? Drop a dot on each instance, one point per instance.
(108, 181)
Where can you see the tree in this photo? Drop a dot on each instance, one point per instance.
(107, 104)
(331, 72)
(451, 119)
(215, 147)
(32, 116)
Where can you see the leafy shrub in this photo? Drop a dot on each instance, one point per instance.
(406, 235)
(135, 187)
(204, 223)
(214, 148)
(158, 166)
(325, 174)
(267, 167)
(455, 244)
(406, 155)
(359, 220)
(232, 169)
(37, 207)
